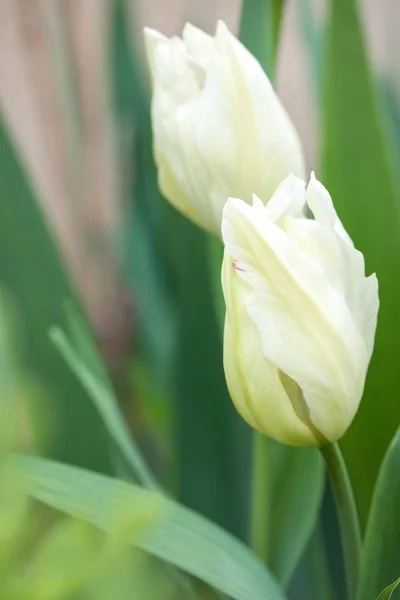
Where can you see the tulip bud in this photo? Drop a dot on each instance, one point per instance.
(300, 315)
(219, 129)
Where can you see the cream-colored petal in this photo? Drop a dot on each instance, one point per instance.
(173, 190)
(320, 202)
(253, 145)
(254, 383)
(306, 328)
(288, 201)
(344, 268)
(153, 39)
(199, 44)
(257, 203)
(183, 177)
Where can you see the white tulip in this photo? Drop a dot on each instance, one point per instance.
(300, 315)
(219, 129)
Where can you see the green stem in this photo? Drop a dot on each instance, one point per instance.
(260, 509)
(347, 513)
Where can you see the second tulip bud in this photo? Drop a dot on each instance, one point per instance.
(219, 129)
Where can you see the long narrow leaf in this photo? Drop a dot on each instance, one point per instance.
(388, 592)
(180, 536)
(260, 28)
(381, 554)
(107, 405)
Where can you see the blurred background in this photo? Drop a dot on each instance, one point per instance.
(80, 213)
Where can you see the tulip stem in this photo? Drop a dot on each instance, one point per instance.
(260, 500)
(347, 513)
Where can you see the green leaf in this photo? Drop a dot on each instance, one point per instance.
(101, 392)
(381, 555)
(179, 536)
(31, 269)
(315, 44)
(259, 30)
(357, 170)
(388, 592)
(297, 484)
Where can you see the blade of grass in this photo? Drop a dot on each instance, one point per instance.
(101, 393)
(380, 563)
(179, 536)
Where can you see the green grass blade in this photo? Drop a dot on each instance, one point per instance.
(387, 593)
(259, 30)
(101, 392)
(357, 171)
(31, 269)
(315, 44)
(381, 555)
(180, 536)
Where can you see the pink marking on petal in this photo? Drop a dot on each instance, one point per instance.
(236, 268)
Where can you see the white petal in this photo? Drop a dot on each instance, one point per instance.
(153, 39)
(257, 203)
(344, 268)
(183, 177)
(254, 382)
(242, 129)
(306, 328)
(199, 44)
(320, 202)
(288, 201)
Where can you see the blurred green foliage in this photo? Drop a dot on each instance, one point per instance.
(45, 556)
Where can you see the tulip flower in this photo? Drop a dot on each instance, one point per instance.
(300, 315)
(219, 129)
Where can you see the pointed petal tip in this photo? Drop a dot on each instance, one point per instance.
(315, 182)
(257, 202)
(153, 35)
(222, 26)
(231, 204)
(152, 39)
(190, 31)
(222, 32)
(292, 178)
